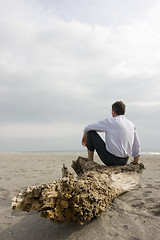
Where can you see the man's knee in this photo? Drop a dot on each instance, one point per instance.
(91, 133)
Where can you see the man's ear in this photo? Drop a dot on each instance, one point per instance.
(113, 114)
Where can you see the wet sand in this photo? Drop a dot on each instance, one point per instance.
(132, 216)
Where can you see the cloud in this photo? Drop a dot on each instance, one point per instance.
(64, 71)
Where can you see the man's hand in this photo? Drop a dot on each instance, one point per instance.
(135, 160)
(134, 163)
(84, 139)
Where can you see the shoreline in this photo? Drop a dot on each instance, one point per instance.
(143, 151)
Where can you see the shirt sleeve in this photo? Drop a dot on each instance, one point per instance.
(100, 126)
(136, 149)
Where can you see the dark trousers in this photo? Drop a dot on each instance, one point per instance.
(95, 142)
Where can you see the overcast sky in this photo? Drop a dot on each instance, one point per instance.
(63, 63)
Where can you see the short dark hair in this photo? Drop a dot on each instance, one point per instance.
(119, 108)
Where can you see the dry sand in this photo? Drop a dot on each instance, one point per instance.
(132, 216)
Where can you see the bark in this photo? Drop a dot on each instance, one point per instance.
(79, 199)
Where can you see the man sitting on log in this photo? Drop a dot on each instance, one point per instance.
(121, 139)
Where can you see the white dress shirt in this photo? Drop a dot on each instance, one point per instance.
(120, 136)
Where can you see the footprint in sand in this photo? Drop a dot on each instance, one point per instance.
(146, 193)
(150, 200)
(138, 204)
(125, 227)
(149, 186)
(154, 209)
(4, 193)
(134, 238)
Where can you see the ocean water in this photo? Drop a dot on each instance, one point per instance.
(145, 151)
(151, 151)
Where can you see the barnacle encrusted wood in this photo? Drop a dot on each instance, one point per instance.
(82, 198)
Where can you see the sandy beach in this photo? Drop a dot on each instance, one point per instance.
(132, 216)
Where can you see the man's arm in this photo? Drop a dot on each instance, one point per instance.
(84, 139)
(136, 148)
(100, 126)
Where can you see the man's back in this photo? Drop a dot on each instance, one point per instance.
(119, 136)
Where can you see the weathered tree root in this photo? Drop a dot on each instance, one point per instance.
(82, 198)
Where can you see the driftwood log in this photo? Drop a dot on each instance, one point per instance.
(82, 198)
